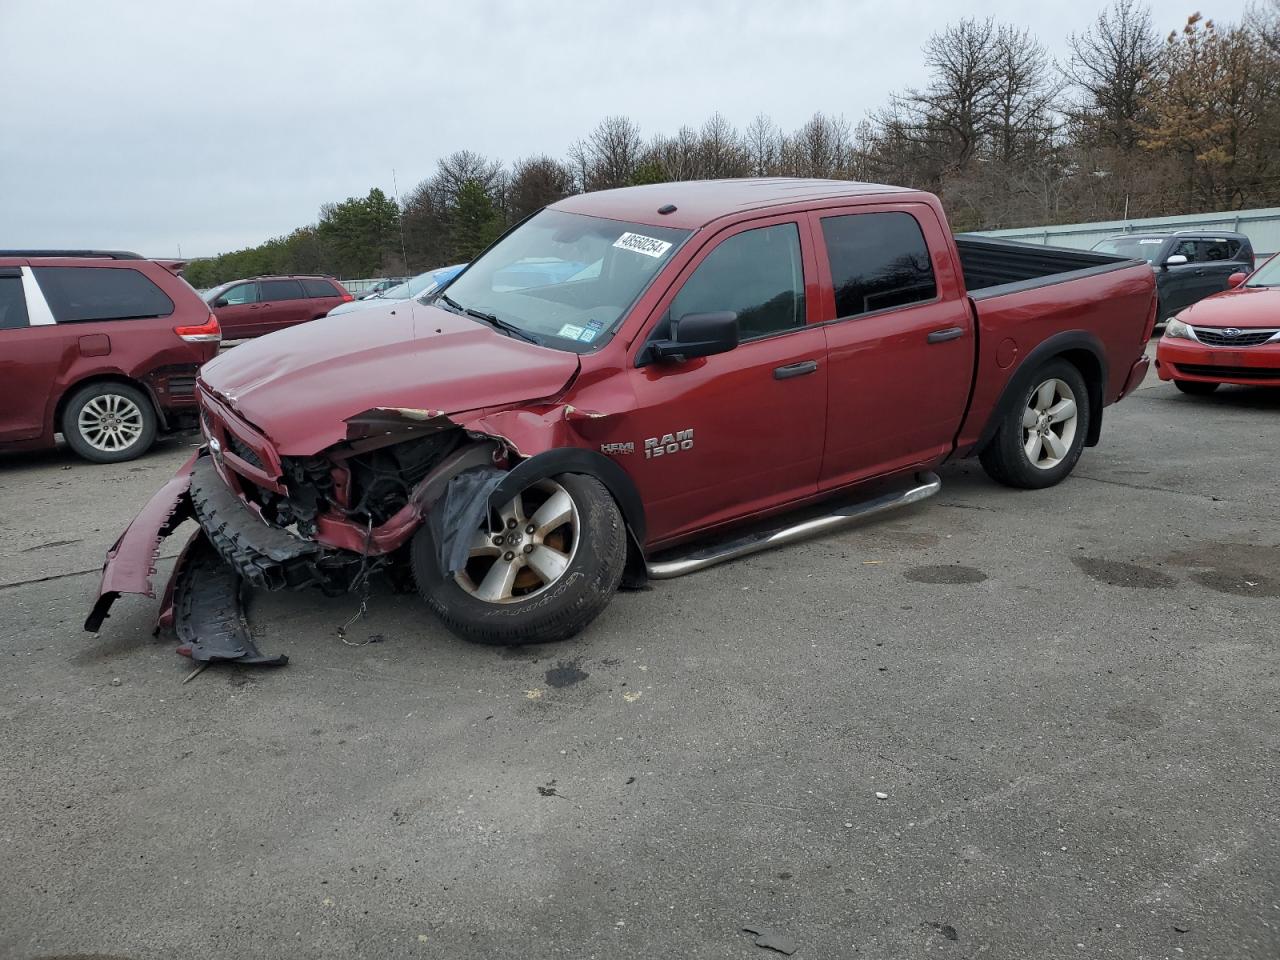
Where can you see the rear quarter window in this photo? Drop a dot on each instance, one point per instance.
(320, 288)
(13, 305)
(78, 294)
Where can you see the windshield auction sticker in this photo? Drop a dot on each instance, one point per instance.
(638, 243)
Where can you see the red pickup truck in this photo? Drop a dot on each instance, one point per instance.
(710, 369)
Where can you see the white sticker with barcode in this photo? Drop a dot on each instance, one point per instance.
(639, 243)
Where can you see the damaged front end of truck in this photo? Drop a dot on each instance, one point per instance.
(329, 520)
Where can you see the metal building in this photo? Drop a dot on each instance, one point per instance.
(1262, 226)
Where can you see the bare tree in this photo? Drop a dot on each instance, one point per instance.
(1114, 66)
(536, 182)
(763, 145)
(609, 156)
(721, 151)
(952, 115)
(1022, 117)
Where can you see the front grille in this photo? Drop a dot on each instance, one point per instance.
(1214, 337)
(244, 452)
(1230, 373)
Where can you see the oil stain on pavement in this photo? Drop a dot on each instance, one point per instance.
(954, 573)
(1117, 573)
(565, 675)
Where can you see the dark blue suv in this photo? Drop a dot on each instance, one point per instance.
(1190, 264)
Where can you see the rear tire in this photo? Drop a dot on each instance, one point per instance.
(109, 422)
(1042, 434)
(1196, 388)
(539, 580)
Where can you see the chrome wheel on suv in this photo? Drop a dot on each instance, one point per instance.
(109, 422)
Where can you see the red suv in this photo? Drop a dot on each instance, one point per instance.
(250, 308)
(102, 346)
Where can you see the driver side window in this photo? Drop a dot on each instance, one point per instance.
(757, 274)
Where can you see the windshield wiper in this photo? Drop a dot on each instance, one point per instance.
(508, 328)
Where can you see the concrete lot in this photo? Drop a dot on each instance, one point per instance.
(1069, 698)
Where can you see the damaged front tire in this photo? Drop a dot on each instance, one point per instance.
(538, 569)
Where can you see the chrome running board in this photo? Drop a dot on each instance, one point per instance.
(927, 484)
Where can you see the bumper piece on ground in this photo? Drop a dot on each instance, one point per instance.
(209, 611)
(131, 562)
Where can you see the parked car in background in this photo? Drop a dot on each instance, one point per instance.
(102, 346)
(1231, 337)
(386, 283)
(250, 308)
(1190, 264)
(713, 353)
(421, 285)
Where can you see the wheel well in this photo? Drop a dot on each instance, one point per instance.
(1090, 367)
(61, 406)
(1079, 348)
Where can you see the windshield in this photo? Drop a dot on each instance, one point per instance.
(563, 278)
(422, 283)
(1267, 275)
(1136, 248)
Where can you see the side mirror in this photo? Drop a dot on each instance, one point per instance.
(220, 302)
(698, 335)
(1236, 279)
(1174, 260)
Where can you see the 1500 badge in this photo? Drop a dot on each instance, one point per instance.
(668, 443)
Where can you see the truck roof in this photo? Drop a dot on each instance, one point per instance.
(698, 202)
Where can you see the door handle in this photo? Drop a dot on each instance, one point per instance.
(948, 333)
(800, 369)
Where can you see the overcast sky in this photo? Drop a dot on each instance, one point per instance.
(219, 124)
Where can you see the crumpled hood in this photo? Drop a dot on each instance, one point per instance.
(1242, 307)
(300, 385)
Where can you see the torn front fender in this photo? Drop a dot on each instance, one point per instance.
(131, 562)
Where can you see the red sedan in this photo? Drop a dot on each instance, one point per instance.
(1231, 337)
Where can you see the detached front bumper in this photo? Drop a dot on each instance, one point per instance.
(131, 561)
(204, 599)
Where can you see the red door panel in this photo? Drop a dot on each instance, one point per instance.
(901, 367)
(31, 359)
(730, 435)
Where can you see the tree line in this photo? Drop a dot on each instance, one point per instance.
(1128, 124)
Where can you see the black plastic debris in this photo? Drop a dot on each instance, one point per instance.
(208, 606)
(772, 939)
(459, 513)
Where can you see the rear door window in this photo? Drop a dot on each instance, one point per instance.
(78, 294)
(878, 261)
(275, 290)
(319, 288)
(13, 305)
(1215, 250)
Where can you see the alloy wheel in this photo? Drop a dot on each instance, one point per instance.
(110, 422)
(1049, 424)
(526, 546)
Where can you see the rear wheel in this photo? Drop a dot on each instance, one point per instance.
(1197, 388)
(539, 569)
(1042, 435)
(109, 422)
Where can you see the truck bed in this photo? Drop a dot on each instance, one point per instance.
(997, 267)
